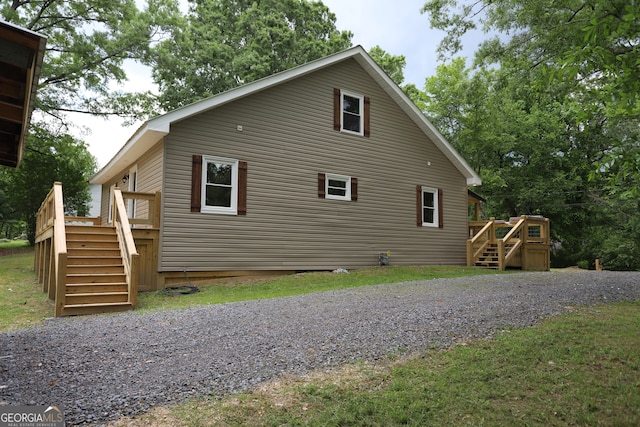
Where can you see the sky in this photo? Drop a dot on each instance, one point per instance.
(398, 27)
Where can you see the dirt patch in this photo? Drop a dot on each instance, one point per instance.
(14, 251)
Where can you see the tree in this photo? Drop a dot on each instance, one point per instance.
(50, 156)
(595, 42)
(87, 44)
(579, 62)
(221, 44)
(393, 65)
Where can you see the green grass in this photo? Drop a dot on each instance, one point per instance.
(577, 369)
(22, 302)
(580, 369)
(13, 245)
(281, 286)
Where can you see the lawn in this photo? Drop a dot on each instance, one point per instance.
(578, 369)
(22, 302)
(581, 368)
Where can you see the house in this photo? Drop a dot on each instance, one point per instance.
(319, 167)
(324, 166)
(21, 54)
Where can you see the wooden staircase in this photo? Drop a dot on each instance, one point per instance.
(522, 242)
(95, 278)
(490, 258)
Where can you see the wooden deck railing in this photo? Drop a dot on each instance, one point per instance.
(130, 255)
(51, 247)
(520, 237)
(153, 211)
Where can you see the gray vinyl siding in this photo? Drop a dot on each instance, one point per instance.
(149, 177)
(150, 173)
(287, 139)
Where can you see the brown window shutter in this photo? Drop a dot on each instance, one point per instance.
(354, 189)
(196, 183)
(337, 109)
(440, 214)
(367, 122)
(419, 205)
(242, 188)
(321, 185)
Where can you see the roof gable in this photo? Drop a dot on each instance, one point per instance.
(155, 129)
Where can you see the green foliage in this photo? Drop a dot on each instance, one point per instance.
(221, 44)
(550, 115)
(393, 65)
(49, 157)
(87, 44)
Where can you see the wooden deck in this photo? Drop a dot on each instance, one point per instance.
(522, 242)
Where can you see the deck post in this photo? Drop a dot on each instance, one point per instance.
(524, 238)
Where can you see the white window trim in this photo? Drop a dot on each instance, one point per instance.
(344, 93)
(110, 213)
(132, 186)
(233, 209)
(345, 179)
(436, 208)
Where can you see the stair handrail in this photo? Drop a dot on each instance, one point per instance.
(519, 227)
(127, 245)
(516, 228)
(489, 227)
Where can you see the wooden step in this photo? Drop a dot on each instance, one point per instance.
(92, 260)
(96, 298)
(86, 288)
(94, 252)
(89, 229)
(91, 244)
(90, 269)
(91, 236)
(96, 278)
(80, 309)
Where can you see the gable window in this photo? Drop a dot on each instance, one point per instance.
(337, 187)
(218, 185)
(351, 112)
(429, 207)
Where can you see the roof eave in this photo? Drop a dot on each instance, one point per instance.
(407, 105)
(158, 127)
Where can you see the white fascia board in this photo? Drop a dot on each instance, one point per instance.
(407, 105)
(142, 141)
(155, 129)
(239, 92)
(158, 127)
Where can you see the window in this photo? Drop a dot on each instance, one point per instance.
(429, 207)
(351, 112)
(337, 187)
(218, 185)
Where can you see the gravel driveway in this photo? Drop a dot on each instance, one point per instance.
(100, 368)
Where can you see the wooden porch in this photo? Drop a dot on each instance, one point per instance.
(522, 242)
(86, 267)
